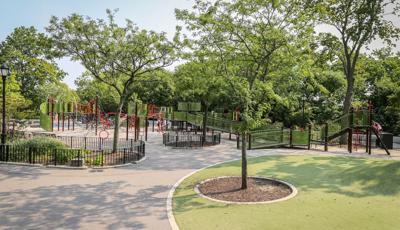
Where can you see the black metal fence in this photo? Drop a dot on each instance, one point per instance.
(71, 156)
(96, 143)
(190, 139)
(91, 143)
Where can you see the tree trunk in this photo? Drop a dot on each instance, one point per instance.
(347, 103)
(244, 160)
(116, 125)
(349, 93)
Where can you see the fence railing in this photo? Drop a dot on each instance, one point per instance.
(190, 139)
(90, 143)
(71, 156)
(259, 139)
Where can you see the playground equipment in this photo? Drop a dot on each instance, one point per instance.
(358, 125)
(66, 114)
(359, 122)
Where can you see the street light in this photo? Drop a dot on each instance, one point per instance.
(5, 72)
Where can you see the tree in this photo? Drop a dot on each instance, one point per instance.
(31, 57)
(114, 55)
(198, 80)
(88, 89)
(16, 103)
(156, 88)
(243, 36)
(358, 23)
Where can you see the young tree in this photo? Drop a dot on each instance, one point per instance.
(358, 23)
(114, 55)
(243, 36)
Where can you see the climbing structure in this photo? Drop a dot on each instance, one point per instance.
(353, 129)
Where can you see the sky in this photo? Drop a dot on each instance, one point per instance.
(157, 15)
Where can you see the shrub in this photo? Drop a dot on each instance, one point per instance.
(41, 143)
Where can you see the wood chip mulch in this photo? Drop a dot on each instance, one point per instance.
(258, 190)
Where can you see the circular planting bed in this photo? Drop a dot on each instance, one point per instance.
(259, 190)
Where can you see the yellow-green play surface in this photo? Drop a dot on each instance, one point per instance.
(334, 192)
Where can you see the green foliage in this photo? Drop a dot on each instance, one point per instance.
(41, 143)
(31, 57)
(88, 89)
(358, 23)
(114, 55)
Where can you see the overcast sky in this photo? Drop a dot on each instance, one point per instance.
(157, 15)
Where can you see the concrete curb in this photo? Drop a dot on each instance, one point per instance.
(73, 168)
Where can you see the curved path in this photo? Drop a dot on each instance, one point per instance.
(131, 197)
(117, 198)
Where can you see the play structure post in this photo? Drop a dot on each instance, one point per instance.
(97, 115)
(153, 124)
(127, 127)
(73, 115)
(138, 128)
(350, 131)
(69, 113)
(63, 118)
(58, 116)
(309, 137)
(52, 114)
(135, 122)
(146, 127)
(326, 137)
(370, 117)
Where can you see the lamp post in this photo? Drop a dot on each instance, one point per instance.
(5, 72)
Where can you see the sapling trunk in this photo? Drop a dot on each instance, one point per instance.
(244, 160)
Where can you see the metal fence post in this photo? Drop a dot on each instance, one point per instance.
(55, 157)
(79, 158)
(30, 155)
(7, 152)
(102, 157)
(124, 156)
(290, 137)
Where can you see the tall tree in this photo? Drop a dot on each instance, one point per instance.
(358, 23)
(114, 55)
(31, 56)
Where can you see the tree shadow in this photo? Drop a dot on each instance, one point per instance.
(350, 176)
(109, 205)
(17, 171)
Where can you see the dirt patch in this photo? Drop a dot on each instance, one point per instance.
(258, 189)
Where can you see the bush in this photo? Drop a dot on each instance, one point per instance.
(40, 143)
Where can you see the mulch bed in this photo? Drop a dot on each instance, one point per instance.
(258, 189)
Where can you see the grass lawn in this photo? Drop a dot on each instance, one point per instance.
(333, 193)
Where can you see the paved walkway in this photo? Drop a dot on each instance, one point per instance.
(132, 197)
